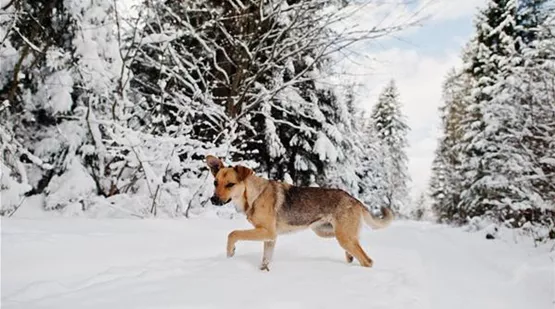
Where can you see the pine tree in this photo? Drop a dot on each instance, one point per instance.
(498, 168)
(421, 208)
(391, 129)
(370, 168)
(532, 18)
(537, 97)
(483, 155)
(445, 179)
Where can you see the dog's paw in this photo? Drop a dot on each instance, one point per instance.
(231, 252)
(264, 267)
(368, 263)
(348, 257)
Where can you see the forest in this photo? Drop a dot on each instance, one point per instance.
(108, 111)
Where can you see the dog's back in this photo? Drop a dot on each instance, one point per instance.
(302, 206)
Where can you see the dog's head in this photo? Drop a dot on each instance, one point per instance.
(228, 181)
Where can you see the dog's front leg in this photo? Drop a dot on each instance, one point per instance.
(268, 253)
(259, 233)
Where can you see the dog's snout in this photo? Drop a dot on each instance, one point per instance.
(216, 200)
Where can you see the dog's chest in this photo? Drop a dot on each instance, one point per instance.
(240, 205)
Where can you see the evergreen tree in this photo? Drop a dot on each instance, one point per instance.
(492, 157)
(391, 129)
(532, 18)
(482, 148)
(536, 95)
(371, 167)
(421, 209)
(445, 179)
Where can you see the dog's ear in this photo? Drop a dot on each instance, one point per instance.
(242, 172)
(214, 164)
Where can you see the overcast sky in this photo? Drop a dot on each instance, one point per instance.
(418, 59)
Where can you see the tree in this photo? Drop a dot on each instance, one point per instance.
(250, 77)
(445, 179)
(60, 82)
(129, 105)
(391, 129)
(481, 185)
(495, 129)
(421, 208)
(536, 94)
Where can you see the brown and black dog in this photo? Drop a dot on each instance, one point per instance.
(275, 208)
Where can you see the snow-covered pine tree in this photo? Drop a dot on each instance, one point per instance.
(421, 209)
(313, 124)
(486, 47)
(371, 167)
(536, 94)
(445, 180)
(391, 129)
(497, 168)
(534, 17)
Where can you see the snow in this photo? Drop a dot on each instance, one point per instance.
(157, 38)
(11, 190)
(58, 92)
(155, 263)
(72, 188)
(325, 149)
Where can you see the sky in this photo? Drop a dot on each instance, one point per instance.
(418, 58)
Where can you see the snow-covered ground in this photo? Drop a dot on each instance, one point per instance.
(124, 263)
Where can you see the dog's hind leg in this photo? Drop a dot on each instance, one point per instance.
(353, 249)
(325, 230)
(346, 232)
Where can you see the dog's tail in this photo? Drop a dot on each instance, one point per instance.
(375, 222)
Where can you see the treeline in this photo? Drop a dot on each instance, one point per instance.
(496, 156)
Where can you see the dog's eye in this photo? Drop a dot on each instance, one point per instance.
(215, 183)
(229, 185)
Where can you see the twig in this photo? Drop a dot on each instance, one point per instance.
(5, 7)
(194, 195)
(18, 206)
(153, 207)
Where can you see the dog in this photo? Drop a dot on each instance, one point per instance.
(275, 208)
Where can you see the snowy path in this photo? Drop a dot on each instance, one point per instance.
(81, 263)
